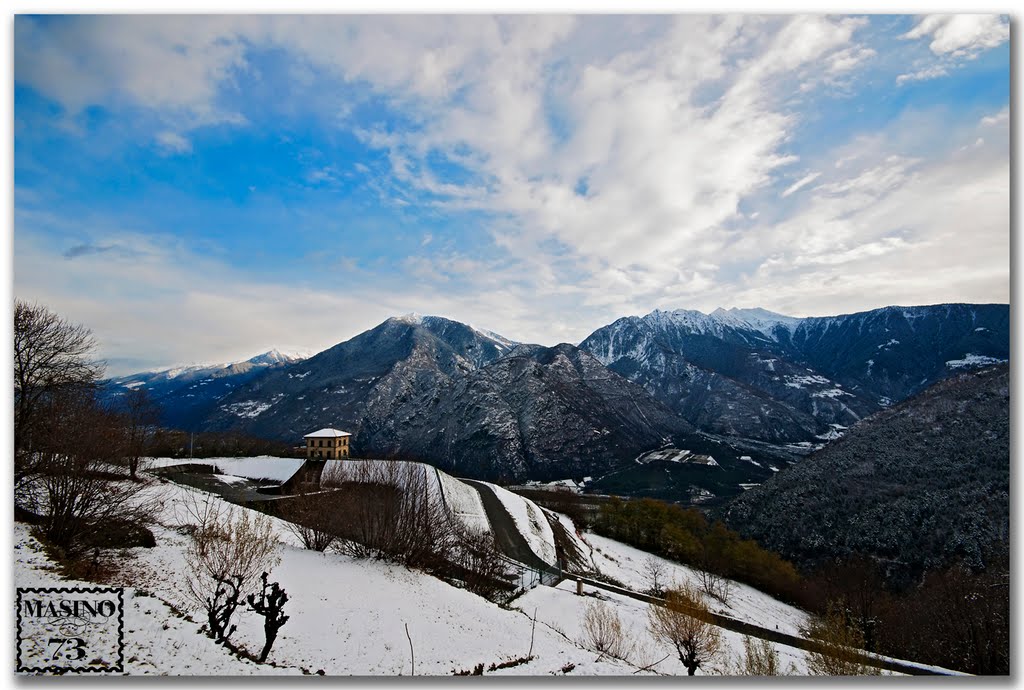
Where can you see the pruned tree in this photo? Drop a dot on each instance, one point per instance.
(221, 605)
(840, 645)
(228, 548)
(684, 624)
(603, 631)
(269, 604)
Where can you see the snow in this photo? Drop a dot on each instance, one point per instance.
(559, 609)
(627, 565)
(973, 360)
(757, 319)
(464, 502)
(500, 341)
(830, 393)
(801, 381)
(229, 479)
(411, 318)
(530, 522)
(259, 467)
(327, 432)
(157, 640)
(889, 344)
(835, 431)
(348, 616)
(248, 408)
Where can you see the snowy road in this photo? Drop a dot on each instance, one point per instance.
(506, 533)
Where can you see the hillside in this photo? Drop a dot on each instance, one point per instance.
(916, 486)
(348, 616)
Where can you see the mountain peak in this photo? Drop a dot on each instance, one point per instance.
(756, 318)
(275, 356)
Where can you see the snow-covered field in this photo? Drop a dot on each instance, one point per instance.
(631, 567)
(259, 467)
(349, 616)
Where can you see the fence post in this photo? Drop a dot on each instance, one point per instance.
(579, 587)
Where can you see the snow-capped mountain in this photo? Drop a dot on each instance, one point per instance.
(756, 374)
(188, 394)
(755, 383)
(441, 391)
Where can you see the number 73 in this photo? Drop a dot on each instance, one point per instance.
(73, 648)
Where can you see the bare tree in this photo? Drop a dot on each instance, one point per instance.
(71, 486)
(393, 511)
(760, 658)
(140, 416)
(482, 567)
(228, 550)
(840, 646)
(714, 585)
(683, 623)
(603, 631)
(312, 518)
(656, 571)
(50, 353)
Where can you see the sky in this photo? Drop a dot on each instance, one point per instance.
(205, 188)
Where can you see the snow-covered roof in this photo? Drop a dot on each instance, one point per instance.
(327, 433)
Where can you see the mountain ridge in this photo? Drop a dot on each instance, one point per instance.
(762, 384)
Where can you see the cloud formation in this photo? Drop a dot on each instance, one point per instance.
(537, 175)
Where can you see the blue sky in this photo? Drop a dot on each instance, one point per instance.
(204, 188)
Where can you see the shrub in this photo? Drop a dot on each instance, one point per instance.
(683, 623)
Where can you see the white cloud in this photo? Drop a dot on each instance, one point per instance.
(1002, 117)
(891, 230)
(801, 183)
(961, 34)
(172, 142)
(933, 72)
(170, 64)
(955, 40)
(613, 155)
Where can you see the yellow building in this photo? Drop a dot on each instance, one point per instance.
(327, 444)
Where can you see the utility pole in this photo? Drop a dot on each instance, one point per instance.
(191, 440)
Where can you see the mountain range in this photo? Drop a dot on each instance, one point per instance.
(916, 487)
(751, 388)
